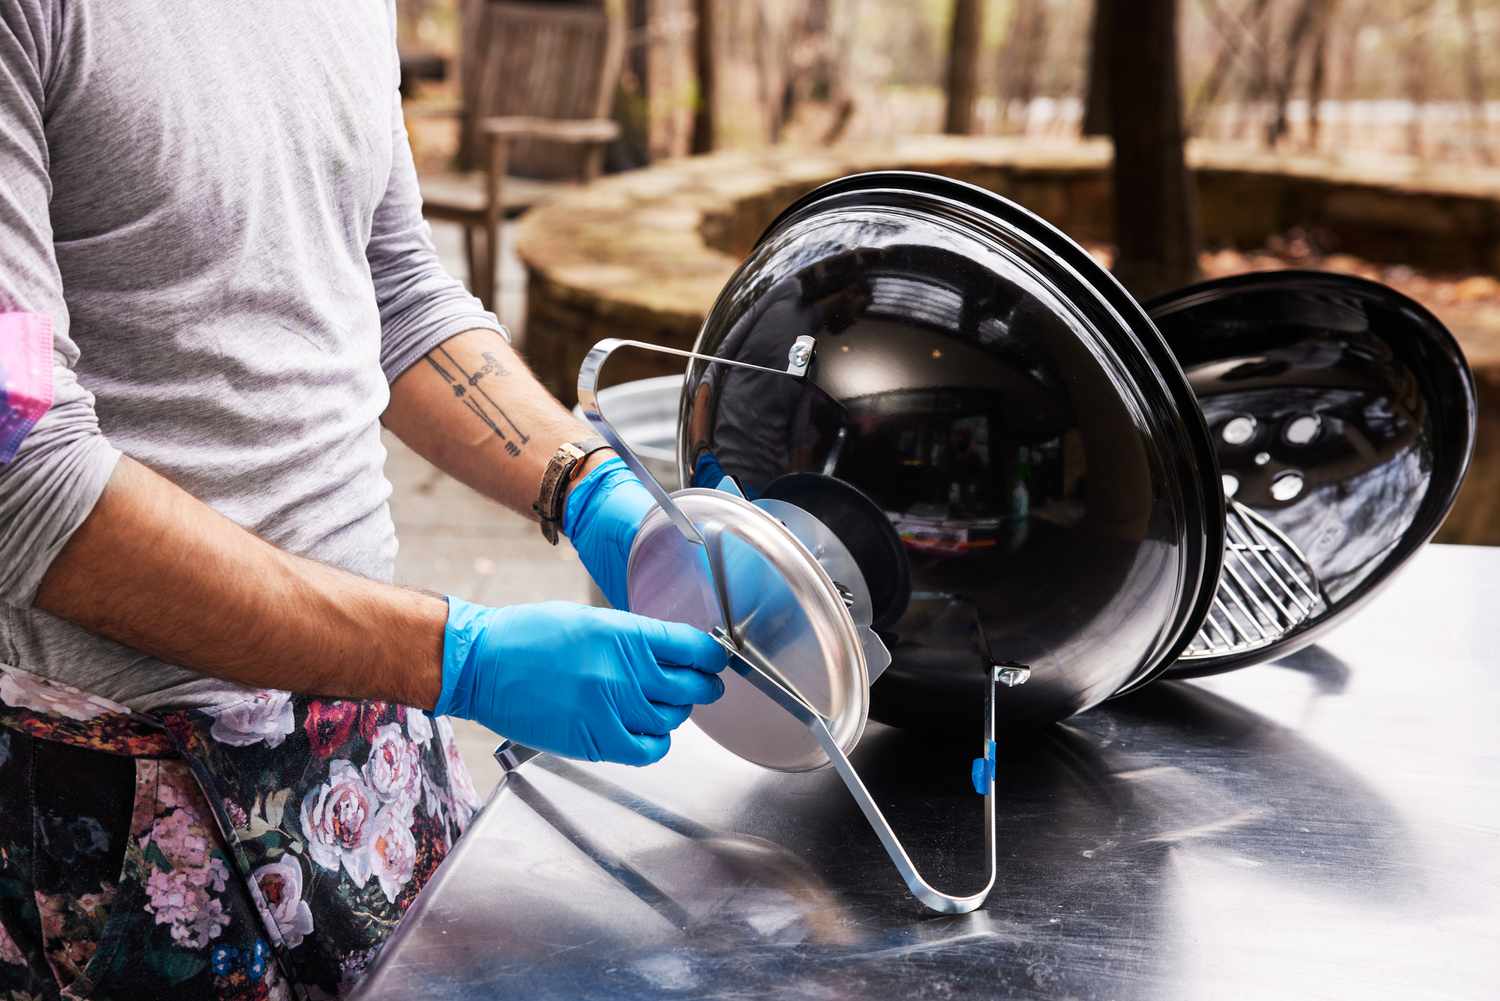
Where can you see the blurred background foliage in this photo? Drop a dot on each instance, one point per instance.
(1340, 77)
(1395, 102)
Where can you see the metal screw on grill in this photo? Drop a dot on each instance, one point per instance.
(800, 355)
(845, 595)
(1011, 675)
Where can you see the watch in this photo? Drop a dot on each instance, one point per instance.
(561, 468)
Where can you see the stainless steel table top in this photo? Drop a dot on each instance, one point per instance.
(1325, 827)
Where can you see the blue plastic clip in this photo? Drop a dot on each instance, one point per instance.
(983, 769)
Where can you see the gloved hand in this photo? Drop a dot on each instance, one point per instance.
(601, 518)
(706, 470)
(584, 682)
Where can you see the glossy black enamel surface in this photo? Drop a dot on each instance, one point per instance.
(864, 530)
(1341, 411)
(1007, 408)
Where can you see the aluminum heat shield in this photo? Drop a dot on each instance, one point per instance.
(834, 557)
(785, 608)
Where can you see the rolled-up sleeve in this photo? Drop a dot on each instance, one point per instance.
(51, 483)
(421, 305)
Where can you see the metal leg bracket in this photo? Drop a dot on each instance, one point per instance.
(1009, 675)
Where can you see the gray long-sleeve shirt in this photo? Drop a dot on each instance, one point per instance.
(216, 205)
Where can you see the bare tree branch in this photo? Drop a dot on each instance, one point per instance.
(1236, 35)
(705, 61)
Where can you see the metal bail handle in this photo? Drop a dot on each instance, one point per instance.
(799, 358)
(744, 664)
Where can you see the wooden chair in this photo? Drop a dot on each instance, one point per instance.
(538, 85)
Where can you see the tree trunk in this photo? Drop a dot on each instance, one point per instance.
(633, 96)
(1317, 84)
(639, 63)
(1021, 58)
(1348, 84)
(1156, 218)
(1294, 49)
(963, 66)
(1474, 81)
(770, 78)
(1096, 90)
(809, 56)
(838, 54)
(705, 51)
(1415, 61)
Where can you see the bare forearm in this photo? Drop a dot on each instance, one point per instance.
(473, 409)
(156, 569)
(159, 571)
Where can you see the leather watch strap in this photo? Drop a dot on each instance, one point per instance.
(561, 468)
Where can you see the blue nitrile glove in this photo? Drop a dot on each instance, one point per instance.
(578, 681)
(601, 518)
(708, 473)
(706, 470)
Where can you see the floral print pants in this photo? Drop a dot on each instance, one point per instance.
(264, 849)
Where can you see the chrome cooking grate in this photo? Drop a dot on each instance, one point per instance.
(1267, 589)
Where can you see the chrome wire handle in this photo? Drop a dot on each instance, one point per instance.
(588, 402)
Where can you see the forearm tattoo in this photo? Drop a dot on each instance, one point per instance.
(468, 388)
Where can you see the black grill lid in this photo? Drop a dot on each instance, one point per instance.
(1005, 405)
(1342, 414)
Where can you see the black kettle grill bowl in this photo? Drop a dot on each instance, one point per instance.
(1027, 468)
(1038, 484)
(1342, 414)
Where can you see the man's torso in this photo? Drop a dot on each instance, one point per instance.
(215, 170)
